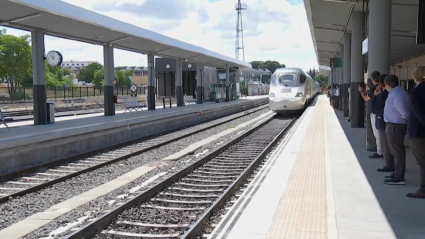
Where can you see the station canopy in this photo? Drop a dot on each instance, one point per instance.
(329, 19)
(60, 19)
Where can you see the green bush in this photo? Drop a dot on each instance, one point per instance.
(20, 95)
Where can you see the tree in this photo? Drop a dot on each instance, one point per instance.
(15, 60)
(123, 77)
(322, 80)
(67, 72)
(98, 79)
(270, 65)
(55, 77)
(86, 74)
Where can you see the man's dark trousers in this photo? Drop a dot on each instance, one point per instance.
(395, 136)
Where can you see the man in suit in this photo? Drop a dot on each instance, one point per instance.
(416, 127)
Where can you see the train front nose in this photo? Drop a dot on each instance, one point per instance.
(284, 104)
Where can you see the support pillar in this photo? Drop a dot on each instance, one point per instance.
(179, 82)
(151, 82)
(347, 71)
(39, 78)
(357, 103)
(109, 73)
(341, 78)
(227, 83)
(379, 42)
(199, 83)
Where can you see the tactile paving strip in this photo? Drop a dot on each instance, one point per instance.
(302, 211)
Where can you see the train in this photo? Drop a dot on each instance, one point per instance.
(291, 90)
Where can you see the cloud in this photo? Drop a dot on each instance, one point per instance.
(273, 29)
(203, 15)
(156, 9)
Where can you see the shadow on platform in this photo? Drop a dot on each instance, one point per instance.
(405, 215)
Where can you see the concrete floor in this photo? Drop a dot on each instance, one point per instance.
(358, 204)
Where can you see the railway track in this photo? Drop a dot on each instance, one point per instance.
(181, 205)
(30, 180)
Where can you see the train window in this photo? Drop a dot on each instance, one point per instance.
(286, 78)
(302, 79)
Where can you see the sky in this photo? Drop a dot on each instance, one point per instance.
(273, 29)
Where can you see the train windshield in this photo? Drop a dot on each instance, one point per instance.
(283, 79)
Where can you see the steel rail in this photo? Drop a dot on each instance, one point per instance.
(200, 224)
(111, 148)
(104, 220)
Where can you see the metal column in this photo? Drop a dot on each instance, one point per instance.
(379, 42)
(341, 78)
(199, 83)
(227, 83)
(357, 103)
(347, 70)
(151, 82)
(108, 95)
(179, 82)
(39, 78)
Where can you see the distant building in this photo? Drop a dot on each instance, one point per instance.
(76, 66)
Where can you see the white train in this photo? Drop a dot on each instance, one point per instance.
(291, 90)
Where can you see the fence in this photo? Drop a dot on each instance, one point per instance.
(26, 94)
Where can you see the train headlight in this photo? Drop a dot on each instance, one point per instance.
(299, 94)
(272, 95)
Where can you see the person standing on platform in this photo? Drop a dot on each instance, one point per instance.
(416, 127)
(349, 104)
(336, 97)
(367, 95)
(378, 105)
(396, 113)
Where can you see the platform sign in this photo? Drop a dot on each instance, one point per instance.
(133, 88)
(336, 62)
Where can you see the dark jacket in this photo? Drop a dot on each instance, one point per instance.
(378, 105)
(416, 125)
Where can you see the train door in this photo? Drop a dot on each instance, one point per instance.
(166, 83)
(189, 83)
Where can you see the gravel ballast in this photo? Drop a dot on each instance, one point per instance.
(22, 207)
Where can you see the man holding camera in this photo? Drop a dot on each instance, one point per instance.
(367, 95)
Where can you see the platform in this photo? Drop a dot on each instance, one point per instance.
(320, 183)
(26, 144)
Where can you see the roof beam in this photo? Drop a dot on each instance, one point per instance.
(162, 50)
(328, 29)
(401, 36)
(119, 39)
(328, 52)
(405, 4)
(328, 42)
(341, 1)
(25, 18)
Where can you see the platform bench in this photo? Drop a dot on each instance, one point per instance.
(2, 120)
(133, 104)
(189, 99)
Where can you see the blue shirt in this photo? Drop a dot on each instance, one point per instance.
(397, 107)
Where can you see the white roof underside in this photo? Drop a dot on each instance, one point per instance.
(327, 19)
(64, 20)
